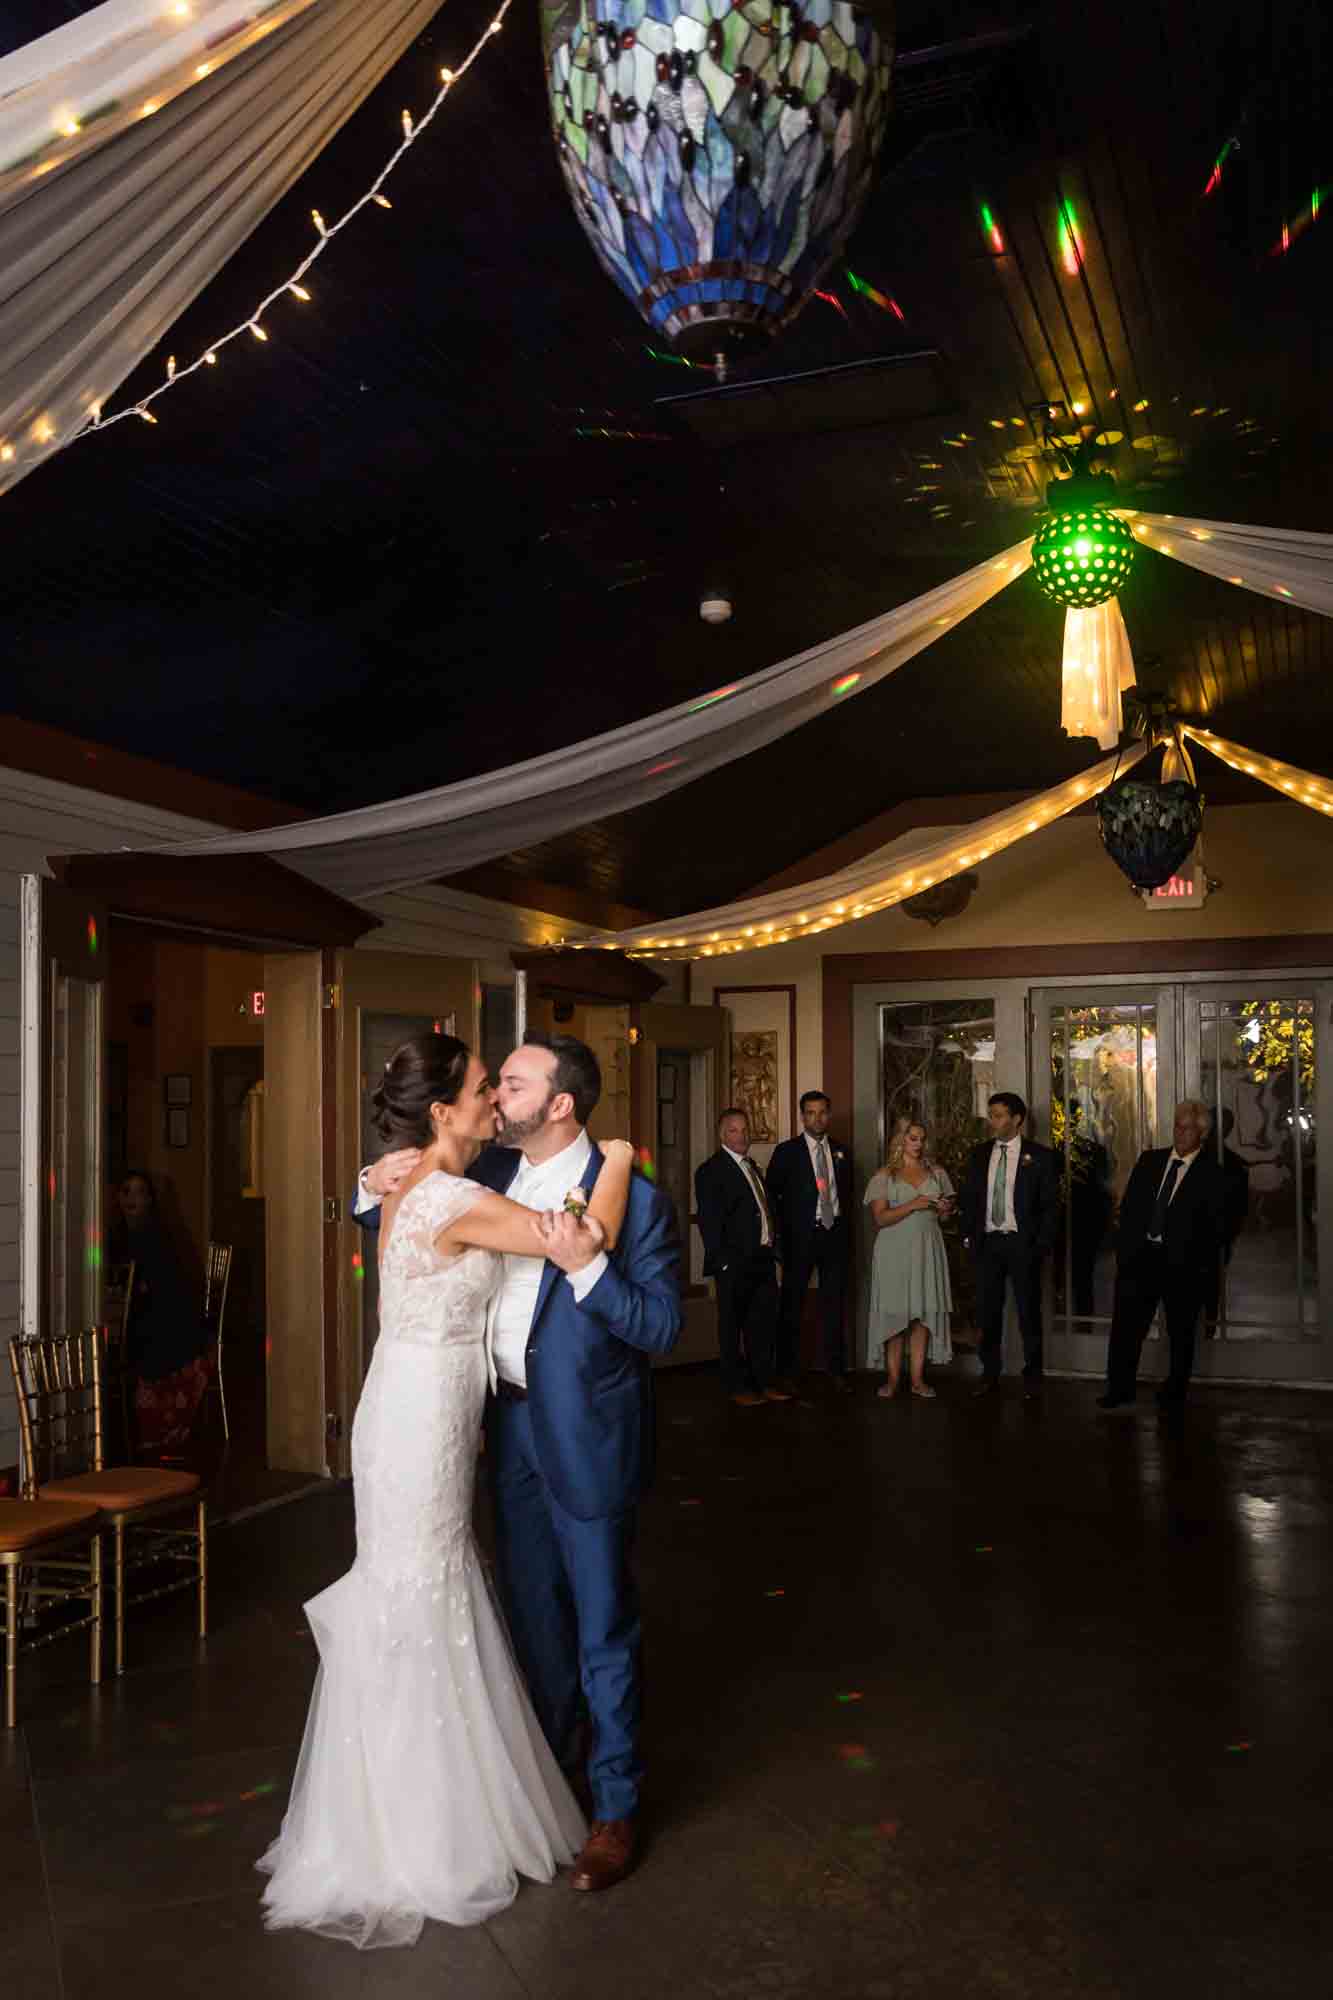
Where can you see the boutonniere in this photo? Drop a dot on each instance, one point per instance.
(1025, 1159)
(838, 1153)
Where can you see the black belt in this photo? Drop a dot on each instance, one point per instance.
(510, 1392)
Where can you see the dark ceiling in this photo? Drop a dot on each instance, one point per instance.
(443, 521)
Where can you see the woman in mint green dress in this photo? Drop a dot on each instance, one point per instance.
(910, 1299)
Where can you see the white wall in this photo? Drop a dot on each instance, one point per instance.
(1275, 863)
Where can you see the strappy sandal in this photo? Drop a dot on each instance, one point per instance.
(923, 1389)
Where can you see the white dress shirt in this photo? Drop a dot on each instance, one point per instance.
(509, 1320)
(509, 1317)
(749, 1169)
(827, 1144)
(1186, 1162)
(1014, 1148)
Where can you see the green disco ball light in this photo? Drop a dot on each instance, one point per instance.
(1082, 556)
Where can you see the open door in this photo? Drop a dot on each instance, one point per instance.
(296, 1224)
(383, 997)
(63, 957)
(680, 1075)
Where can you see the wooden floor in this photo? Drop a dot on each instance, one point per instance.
(948, 1701)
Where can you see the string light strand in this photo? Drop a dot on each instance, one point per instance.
(325, 232)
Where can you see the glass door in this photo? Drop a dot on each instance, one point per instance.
(1103, 1088)
(1255, 1056)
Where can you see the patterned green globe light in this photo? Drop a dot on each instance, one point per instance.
(1082, 556)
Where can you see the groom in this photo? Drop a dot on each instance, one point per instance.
(569, 1426)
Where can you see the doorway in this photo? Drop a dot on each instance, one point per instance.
(236, 1217)
(1109, 1064)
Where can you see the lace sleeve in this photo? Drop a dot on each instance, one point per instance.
(435, 1203)
(450, 1197)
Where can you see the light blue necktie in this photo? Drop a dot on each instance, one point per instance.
(999, 1190)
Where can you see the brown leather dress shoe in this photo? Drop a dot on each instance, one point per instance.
(607, 1857)
(747, 1399)
(776, 1396)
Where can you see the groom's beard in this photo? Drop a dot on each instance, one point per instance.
(517, 1131)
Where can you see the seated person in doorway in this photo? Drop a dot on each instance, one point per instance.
(168, 1342)
(740, 1255)
(1010, 1212)
(809, 1182)
(1171, 1225)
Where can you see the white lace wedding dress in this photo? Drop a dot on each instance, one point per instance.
(424, 1787)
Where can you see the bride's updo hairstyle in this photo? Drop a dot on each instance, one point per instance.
(427, 1070)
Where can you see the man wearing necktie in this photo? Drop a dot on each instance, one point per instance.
(810, 1190)
(1009, 1208)
(1171, 1229)
(741, 1256)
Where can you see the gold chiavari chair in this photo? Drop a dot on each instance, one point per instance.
(50, 1555)
(217, 1276)
(59, 1388)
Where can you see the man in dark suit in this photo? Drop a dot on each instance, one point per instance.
(809, 1182)
(741, 1257)
(1010, 1212)
(1172, 1223)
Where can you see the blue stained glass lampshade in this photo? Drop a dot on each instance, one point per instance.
(718, 152)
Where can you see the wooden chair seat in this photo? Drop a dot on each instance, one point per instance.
(121, 1489)
(24, 1524)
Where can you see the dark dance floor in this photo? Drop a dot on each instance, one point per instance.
(946, 1700)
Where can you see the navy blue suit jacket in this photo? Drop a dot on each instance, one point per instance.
(590, 1391)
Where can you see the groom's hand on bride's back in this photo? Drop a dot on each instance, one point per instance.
(389, 1172)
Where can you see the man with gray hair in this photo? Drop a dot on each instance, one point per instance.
(1170, 1235)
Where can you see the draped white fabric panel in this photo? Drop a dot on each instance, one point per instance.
(905, 867)
(69, 91)
(1098, 667)
(1303, 788)
(100, 255)
(1286, 563)
(381, 848)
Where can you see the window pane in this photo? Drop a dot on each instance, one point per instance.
(1257, 1074)
(938, 1066)
(1103, 1114)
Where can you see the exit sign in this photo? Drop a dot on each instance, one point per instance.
(1186, 891)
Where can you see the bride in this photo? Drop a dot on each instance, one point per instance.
(424, 1786)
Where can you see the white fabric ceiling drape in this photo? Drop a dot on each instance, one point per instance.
(406, 841)
(100, 254)
(70, 90)
(1097, 668)
(1285, 563)
(905, 867)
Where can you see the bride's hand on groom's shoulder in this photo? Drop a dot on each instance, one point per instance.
(616, 1149)
(388, 1173)
(570, 1241)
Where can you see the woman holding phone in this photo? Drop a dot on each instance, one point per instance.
(910, 1299)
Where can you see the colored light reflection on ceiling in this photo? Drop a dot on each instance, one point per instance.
(667, 764)
(92, 936)
(718, 694)
(846, 684)
(992, 230)
(1214, 180)
(875, 297)
(1071, 241)
(832, 299)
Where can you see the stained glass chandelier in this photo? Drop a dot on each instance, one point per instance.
(718, 152)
